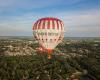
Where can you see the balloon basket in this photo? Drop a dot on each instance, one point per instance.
(49, 56)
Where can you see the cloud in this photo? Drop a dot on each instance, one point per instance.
(77, 23)
(13, 6)
(83, 23)
(35, 3)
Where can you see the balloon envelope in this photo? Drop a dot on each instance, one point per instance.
(49, 32)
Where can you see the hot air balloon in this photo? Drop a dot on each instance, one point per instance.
(49, 32)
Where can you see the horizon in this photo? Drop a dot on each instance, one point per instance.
(81, 18)
(64, 36)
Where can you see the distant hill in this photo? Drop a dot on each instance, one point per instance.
(31, 37)
(80, 38)
(16, 37)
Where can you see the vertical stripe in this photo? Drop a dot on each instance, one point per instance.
(50, 24)
(53, 26)
(39, 26)
(57, 25)
(43, 26)
(46, 24)
(48, 27)
(60, 26)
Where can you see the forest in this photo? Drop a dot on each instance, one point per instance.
(71, 60)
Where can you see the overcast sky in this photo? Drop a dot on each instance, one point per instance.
(81, 17)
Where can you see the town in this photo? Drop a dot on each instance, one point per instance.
(78, 58)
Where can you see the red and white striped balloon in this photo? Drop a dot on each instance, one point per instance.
(49, 32)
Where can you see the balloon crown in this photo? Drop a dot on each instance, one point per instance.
(49, 18)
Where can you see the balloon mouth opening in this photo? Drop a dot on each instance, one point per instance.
(49, 51)
(42, 50)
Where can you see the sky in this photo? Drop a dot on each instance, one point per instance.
(81, 18)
